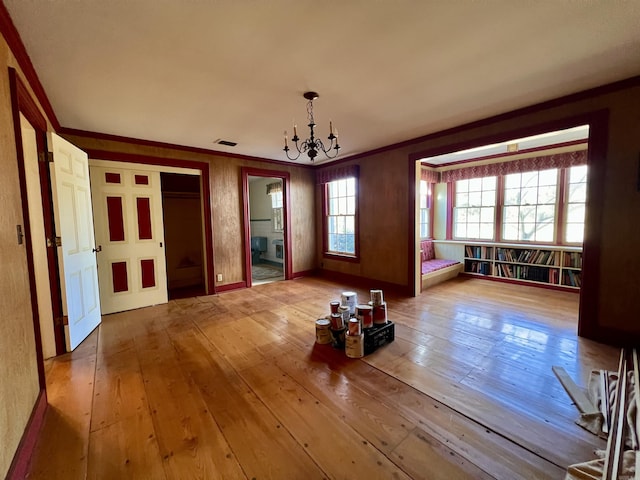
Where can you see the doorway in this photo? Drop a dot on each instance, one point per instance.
(576, 224)
(39, 242)
(266, 224)
(181, 206)
(266, 229)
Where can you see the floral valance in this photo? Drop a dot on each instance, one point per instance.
(429, 176)
(336, 173)
(274, 188)
(545, 162)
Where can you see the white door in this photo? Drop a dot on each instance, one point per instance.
(130, 237)
(74, 224)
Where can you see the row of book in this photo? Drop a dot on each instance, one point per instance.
(483, 268)
(538, 257)
(479, 252)
(524, 272)
(571, 278)
(572, 259)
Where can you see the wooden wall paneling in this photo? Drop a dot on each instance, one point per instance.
(226, 188)
(384, 223)
(618, 202)
(303, 221)
(23, 375)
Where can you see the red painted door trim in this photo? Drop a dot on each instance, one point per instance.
(20, 104)
(286, 186)
(203, 167)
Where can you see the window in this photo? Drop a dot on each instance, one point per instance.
(529, 210)
(341, 216)
(576, 197)
(474, 208)
(425, 204)
(276, 211)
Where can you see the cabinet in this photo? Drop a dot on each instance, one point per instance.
(552, 266)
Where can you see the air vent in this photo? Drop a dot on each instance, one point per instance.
(225, 142)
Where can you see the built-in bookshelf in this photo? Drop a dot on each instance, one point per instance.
(551, 266)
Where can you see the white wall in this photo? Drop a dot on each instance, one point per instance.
(440, 211)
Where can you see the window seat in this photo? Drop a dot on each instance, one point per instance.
(436, 270)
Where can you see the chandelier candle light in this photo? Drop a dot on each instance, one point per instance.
(312, 145)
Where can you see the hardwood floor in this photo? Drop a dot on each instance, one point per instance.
(234, 386)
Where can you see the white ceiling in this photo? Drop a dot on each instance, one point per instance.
(576, 136)
(189, 72)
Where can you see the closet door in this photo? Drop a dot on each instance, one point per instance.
(130, 238)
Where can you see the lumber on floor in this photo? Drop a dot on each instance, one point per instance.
(576, 393)
(234, 386)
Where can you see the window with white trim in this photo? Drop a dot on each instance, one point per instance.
(576, 196)
(474, 208)
(425, 204)
(529, 210)
(276, 211)
(341, 216)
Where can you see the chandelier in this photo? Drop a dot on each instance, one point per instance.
(312, 145)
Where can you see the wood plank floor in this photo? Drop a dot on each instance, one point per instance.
(234, 386)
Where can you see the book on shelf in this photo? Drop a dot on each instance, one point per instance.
(572, 259)
(483, 268)
(554, 266)
(481, 252)
(572, 278)
(532, 273)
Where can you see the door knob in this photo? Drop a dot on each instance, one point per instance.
(98, 249)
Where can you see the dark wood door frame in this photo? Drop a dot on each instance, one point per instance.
(598, 122)
(286, 185)
(24, 104)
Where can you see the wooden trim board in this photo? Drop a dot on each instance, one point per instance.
(577, 395)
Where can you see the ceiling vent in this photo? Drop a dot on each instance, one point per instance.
(226, 143)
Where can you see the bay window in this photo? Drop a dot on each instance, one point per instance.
(474, 208)
(576, 197)
(425, 213)
(520, 201)
(529, 210)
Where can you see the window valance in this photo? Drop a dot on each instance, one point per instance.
(545, 162)
(274, 188)
(337, 173)
(429, 176)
